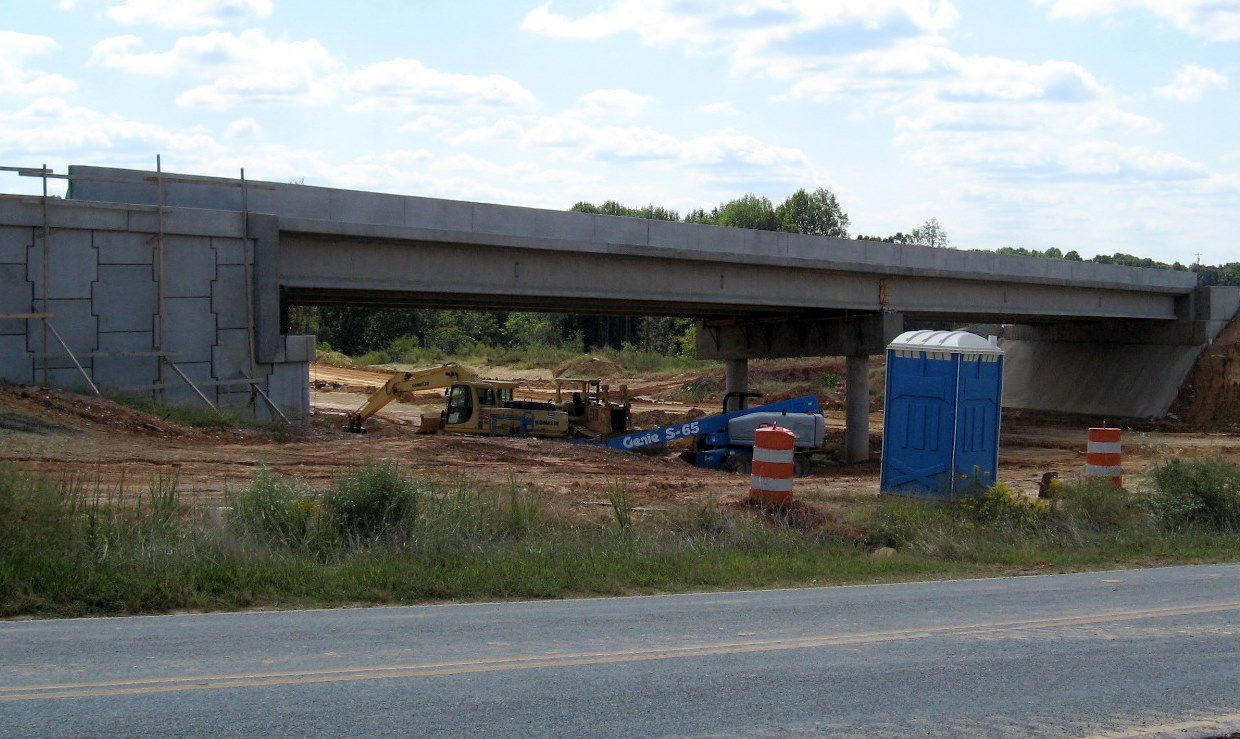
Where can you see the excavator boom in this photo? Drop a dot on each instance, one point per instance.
(428, 378)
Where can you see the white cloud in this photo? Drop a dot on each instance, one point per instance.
(407, 84)
(424, 124)
(189, 13)
(1191, 83)
(929, 72)
(245, 68)
(244, 128)
(1114, 119)
(990, 78)
(51, 125)
(578, 140)
(502, 130)
(1216, 20)
(615, 102)
(15, 78)
(778, 36)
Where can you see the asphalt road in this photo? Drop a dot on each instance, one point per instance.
(1129, 653)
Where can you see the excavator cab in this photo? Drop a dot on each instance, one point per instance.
(488, 409)
(460, 405)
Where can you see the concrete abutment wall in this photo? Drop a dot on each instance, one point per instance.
(103, 296)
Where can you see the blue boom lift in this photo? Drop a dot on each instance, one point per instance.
(725, 441)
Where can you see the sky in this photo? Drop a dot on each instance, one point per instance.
(1090, 125)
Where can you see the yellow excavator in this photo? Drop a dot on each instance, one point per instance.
(475, 406)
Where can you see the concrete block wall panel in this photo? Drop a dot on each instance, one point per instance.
(125, 297)
(178, 393)
(15, 362)
(289, 388)
(229, 251)
(74, 263)
(243, 401)
(229, 297)
(16, 296)
(67, 378)
(123, 247)
(126, 371)
(191, 329)
(189, 266)
(14, 241)
(77, 324)
(299, 348)
(230, 357)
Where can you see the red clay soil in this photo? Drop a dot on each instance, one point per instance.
(1210, 398)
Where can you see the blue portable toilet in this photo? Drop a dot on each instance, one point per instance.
(941, 417)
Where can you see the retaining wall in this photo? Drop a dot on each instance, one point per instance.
(102, 290)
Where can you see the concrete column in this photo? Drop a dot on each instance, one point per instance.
(857, 409)
(736, 377)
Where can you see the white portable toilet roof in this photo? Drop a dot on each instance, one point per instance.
(946, 342)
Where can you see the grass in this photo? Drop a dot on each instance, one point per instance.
(380, 535)
(195, 415)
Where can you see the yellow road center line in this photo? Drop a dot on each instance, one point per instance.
(436, 669)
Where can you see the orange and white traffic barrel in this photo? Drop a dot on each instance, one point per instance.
(1103, 455)
(841, 387)
(773, 450)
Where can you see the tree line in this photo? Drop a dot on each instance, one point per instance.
(356, 331)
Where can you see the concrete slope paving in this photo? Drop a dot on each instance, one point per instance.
(1126, 653)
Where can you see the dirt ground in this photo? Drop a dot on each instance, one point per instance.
(113, 448)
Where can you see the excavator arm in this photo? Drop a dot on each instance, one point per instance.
(427, 378)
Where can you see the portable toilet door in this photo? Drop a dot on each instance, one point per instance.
(944, 393)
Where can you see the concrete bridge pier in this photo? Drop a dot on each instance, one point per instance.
(855, 336)
(857, 409)
(735, 379)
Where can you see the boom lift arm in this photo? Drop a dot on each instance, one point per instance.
(427, 378)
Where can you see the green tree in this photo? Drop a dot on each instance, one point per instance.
(930, 234)
(698, 215)
(613, 208)
(818, 213)
(748, 211)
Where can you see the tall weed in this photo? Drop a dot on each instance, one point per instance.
(275, 509)
(1197, 491)
(374, 501)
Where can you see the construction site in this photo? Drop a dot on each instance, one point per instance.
(176, 287)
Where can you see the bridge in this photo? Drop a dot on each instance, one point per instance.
(1083, 337)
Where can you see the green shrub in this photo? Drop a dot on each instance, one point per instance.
(1197, 491)
(375, 357)
(374, 501)
(1002, 506)
(827, 380)
(276, 509)
(1096, 503)
(901, 522)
